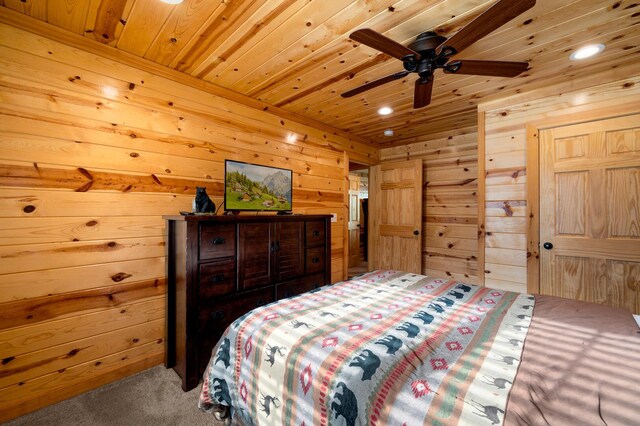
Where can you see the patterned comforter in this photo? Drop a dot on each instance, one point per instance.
(385, 348)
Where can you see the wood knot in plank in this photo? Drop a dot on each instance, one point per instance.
(84, 172)
(507, 209)
(120, 276)
(72, 353)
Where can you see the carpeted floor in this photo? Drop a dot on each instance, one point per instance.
(358, 269)
(153, 397)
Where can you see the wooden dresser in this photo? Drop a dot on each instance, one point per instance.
(220, 267)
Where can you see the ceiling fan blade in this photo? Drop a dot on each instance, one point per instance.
(422, 95)
(379, 42)
(492, 68)
(375, 83)
(496, 16)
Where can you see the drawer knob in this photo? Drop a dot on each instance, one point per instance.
(288, 293)
(315, 233)
(315, 260)
(217, 278)
(217, 315)
(259, 302)
(219, 240)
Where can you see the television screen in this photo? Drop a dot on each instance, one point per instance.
(254, 187)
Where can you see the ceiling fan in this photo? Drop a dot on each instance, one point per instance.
(430, 51)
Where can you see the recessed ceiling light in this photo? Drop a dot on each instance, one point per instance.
(586, 52)
(109, 91)
(171, 1)
(388, 132)
(385, 111)
(291, 137)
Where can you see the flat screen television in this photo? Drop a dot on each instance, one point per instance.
(252, 187)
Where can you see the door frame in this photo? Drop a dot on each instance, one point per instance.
(349, 211)
(532, 229)
(345, 225)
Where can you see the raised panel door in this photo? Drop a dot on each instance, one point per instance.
(395, 207)
(590, 211)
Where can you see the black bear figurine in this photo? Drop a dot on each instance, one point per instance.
(203, 202)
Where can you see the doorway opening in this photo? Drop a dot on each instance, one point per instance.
(358, 219)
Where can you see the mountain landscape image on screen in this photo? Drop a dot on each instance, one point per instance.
(253, 187)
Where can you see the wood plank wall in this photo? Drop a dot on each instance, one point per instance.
(450, 209)
(92, 153)
(505, 161)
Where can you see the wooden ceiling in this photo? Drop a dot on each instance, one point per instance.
(297, 55)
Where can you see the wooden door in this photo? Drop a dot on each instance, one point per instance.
(395, 212)
(590, 211)
(354, 220)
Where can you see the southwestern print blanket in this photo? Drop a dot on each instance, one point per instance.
(385, 348)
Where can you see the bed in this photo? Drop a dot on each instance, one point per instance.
(394, 348)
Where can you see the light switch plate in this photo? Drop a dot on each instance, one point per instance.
(334, 217)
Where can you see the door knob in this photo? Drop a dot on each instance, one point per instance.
(547, 245)
(416, 232)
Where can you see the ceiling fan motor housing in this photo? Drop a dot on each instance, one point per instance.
(425, 45)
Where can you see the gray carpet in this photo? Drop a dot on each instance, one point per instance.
(153, 397)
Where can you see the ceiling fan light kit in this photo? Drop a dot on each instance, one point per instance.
(431, 51)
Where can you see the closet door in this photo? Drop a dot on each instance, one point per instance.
(395, 207)
(590, 211)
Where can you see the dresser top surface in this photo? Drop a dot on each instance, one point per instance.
(245, 217)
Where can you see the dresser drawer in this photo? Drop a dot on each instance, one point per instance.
(217, 241)
(314, 231)
(217, 279)
(315, 260)
(219, 315)
(299, 286)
